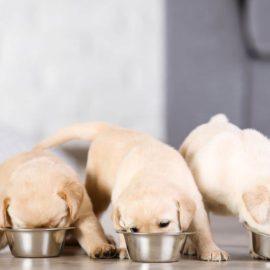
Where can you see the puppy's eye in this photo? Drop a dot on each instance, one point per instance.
(134, 229)
(164, 223)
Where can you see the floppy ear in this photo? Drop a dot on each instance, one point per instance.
(116, 218)
(72, 193)
(186, 212)
(4, 217)
(257, 203)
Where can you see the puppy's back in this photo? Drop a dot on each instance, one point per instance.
(203, 134)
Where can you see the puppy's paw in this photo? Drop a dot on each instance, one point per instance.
(189, 249)
(103, 251)
(123, 254)
(213, 254)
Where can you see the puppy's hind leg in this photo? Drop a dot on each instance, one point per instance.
(207, 250)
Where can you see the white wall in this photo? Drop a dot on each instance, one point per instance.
(63, 61)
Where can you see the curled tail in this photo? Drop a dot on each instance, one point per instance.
(219, 118)
(83, 132)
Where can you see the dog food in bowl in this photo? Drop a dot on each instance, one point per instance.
(155, 247)
(32, 243)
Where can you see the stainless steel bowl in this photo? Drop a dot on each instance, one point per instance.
(155, 247)
(32, 243)
(259, 243)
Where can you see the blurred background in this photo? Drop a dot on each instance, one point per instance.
(160, 66)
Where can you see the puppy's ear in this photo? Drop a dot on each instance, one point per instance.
(186, 212)
(72, 193)
(257, 203)
(4, 217)
(116, 216)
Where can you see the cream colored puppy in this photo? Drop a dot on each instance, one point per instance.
(148, 182)
(232, 170)
(38, 190)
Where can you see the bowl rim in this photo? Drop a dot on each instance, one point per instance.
(155, 233)
(250, 229)
(9, 229)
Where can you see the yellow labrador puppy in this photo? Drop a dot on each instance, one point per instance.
(148, 182)
(231, 169)
(38, 190)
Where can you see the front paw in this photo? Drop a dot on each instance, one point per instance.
(123, 253)
(103, 251)
(213, 254)
(189, 249)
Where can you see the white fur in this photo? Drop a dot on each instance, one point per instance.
(231, 167)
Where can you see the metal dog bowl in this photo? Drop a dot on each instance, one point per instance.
(33, 243)
(155, 247)
(259, 243)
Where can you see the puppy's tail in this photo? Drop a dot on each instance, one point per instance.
(219, 118)
(82, 132)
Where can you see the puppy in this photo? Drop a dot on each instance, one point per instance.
(148, 182)
(231, 169)
(38, 190)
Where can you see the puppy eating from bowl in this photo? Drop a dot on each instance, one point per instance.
(148, 183)
(231, 169)
(38, 190)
